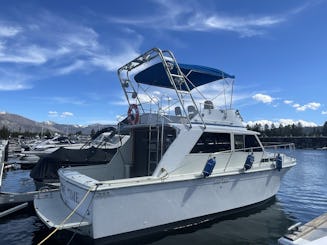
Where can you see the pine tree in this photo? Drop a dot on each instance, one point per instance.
(4, 133)
(324, 129)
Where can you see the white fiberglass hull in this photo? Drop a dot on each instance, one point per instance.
(115, 211)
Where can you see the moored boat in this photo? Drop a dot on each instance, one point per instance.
(99, 150)
(198, 162)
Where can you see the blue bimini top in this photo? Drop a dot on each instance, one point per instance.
(156, 75)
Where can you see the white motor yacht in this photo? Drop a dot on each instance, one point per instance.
(187, 160)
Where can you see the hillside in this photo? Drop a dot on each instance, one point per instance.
(17, 123)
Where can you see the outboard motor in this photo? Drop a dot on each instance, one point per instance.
(249, 161)
(279, 162)
(208, 168)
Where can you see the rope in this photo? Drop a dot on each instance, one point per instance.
(64, 221)
(96, 188)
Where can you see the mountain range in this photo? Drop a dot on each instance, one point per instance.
(17, 123)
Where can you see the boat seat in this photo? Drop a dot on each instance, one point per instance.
(178, 111)
(208, 104)
(191, 111)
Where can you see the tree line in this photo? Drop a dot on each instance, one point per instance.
(5, 133)
(293, 130)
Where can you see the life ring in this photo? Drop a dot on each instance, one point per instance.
(133, 114)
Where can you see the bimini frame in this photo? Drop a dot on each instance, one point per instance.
(175, 75)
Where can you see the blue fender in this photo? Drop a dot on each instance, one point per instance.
(279, 162)
(208, 168)
(248, 162)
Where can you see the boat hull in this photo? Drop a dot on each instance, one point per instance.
(115, 211)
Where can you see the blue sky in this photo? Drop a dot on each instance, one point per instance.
(58, 59)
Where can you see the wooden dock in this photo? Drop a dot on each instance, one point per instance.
(313, 232)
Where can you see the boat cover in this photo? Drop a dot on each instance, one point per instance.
(156, 75)
(47, 166)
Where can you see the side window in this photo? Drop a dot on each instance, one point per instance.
(212, 142)
(239, 141)
(252, 142)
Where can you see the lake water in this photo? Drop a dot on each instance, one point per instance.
(302, 197)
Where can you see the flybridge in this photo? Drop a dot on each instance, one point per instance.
(160, 69)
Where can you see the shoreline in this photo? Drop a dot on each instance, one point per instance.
(301, 142)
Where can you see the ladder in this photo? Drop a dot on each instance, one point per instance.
(178, 80)
(154, 148)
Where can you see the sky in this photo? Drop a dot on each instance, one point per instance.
(59, 59)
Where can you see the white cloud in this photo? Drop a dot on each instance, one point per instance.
(67, 100)
(9, 31)
(301, 108)
(264, 98)
(79, 64)
(283, 122)
(304, 123)
(66, 114)
(288, 102)
(31, 55)
(11, 80)
(13, 86)
(194, 17)
(262, 122)
(52, 113)
(51, 45)
(245, 26)
(311, 106)
(113, 62)
(62, 115)
(324, 113)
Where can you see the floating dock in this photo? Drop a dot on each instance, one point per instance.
(311, 233)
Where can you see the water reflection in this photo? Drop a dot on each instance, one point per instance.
(303, 190)
(261, 225)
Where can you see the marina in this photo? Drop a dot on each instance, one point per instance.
(294, 203)
(201, 152)
(163, 122)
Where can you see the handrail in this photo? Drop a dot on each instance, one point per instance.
(290, 146)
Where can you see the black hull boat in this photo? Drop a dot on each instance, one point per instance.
(45, 170)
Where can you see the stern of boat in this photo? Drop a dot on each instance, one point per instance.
(70, 207)
(54, 213)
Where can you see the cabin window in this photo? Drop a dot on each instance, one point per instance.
(247, 142)
(239, 141)
(252, 142)
(212, 142)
